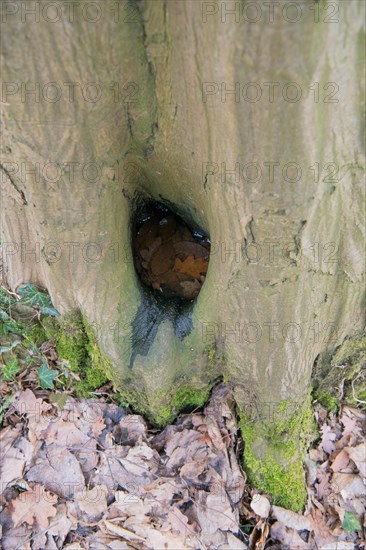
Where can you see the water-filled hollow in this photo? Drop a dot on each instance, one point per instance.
(171, 257)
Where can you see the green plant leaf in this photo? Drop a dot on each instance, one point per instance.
(10, 369)
(4, 406)
(6, 299)
(46, 376)
(4, 316)
(51, 311)
(32, 347)
(59, 398)
(11, 326)
(351, 522)
(32, 296)
(5, 349)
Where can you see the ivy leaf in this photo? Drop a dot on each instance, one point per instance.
(10, 326)
(33, 296)
(5, 349)
(10, 370)
(350, 522)
(51, 311)
(6, 299)
(4, 406)
(46, 376)
(4, 316)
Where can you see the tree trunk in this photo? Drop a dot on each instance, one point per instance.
(248, 124)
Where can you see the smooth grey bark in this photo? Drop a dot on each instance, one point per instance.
(293, 286)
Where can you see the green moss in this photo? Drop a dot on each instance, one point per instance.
(274, 451)
(184, 393)
(189, 397)
(352, 351)
(341, 374)
(212, 358)
(134, 398)
(75, 343)
(100, 369)
(186, 398)
(68, 335)
(328, 401)
(34, 332)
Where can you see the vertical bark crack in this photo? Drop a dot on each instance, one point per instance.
(14, 185)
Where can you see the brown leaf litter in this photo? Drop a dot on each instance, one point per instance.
(90, 476)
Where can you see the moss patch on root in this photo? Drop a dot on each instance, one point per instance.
(184, 399)
(185, 394)
(341, 375)
(274, 451)
(75, 343)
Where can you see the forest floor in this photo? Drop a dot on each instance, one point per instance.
(87, 473)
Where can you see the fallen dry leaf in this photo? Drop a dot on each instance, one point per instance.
(358, 455)
(341, 462)
(216, 436)
(33, 506)
(323, 487)
(12, 463)
(193, 469)
(61, 524)
(92, 502)
(288, 537)
(215, 510)
(353, 421)
(192, 267)
(292, 519)
(182, 487)
(349, 485)
(168, 257)
(121, 532)
(27, 403)
(261, 506)
(259, 535)
(59, 471)
(323, 536)
(328, 438)
(179, 523)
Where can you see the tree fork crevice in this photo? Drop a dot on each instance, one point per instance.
(171, 261)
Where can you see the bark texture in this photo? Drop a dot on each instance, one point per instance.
(292, 286)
